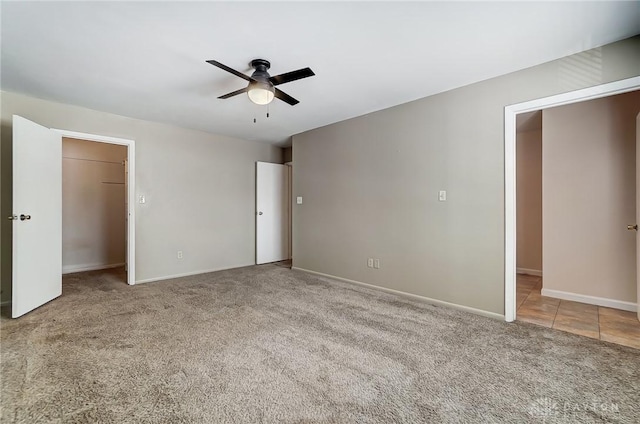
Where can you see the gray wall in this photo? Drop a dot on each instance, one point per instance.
(529, 200)
(200, 188)
(589, 197)
(370, 184)
(287, 155)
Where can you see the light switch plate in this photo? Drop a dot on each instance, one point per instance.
(299, 200)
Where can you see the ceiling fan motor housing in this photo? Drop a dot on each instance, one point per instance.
(261, 67)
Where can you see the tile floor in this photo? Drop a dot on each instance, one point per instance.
(611, 325)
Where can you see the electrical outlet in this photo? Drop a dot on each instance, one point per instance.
(442, 195)
(376, 263)
(370, 262)
(180, 254)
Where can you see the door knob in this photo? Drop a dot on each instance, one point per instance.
(632, 227)
(23, 217)
(260, 213)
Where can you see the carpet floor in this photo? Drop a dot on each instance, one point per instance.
(266, 344)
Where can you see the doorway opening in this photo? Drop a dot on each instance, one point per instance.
(583, 195)
(94, 209)
(37, 212)
(98, 203)
(511, 112)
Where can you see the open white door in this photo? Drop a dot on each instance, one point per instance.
(272, 231)
(638, 213)
(37, 216)
(126, 216)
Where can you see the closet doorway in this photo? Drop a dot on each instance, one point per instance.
(37, 193)
(94, 207)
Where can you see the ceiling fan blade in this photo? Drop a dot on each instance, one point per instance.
(291, 76)
(230, 70)
(285, 97)
(234, 93)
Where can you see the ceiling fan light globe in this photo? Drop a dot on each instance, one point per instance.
(261, 93)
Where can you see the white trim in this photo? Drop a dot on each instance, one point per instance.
(509, 218)
(591, 300)
(70, 269)
(94, 137)
(510, 113)
(409, 295)
(131, 203)
(189, 274)
(536, 272)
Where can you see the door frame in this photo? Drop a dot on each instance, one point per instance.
(289, 166)
(131, 181)
(510, 112)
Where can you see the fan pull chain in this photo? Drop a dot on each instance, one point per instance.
(267, 110)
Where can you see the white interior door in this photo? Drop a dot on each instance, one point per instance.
(638, 213)
(272, 232)
(37, 216)
(126, 215)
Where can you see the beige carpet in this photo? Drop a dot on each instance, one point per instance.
(266, 344)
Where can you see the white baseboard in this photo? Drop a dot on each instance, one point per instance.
(536, 272)
(592, 300)
(70, 269)
(189, 274)
(410, 295)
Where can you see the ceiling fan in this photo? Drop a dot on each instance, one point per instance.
(261, 88)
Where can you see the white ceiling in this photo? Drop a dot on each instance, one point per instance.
(147, 59)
